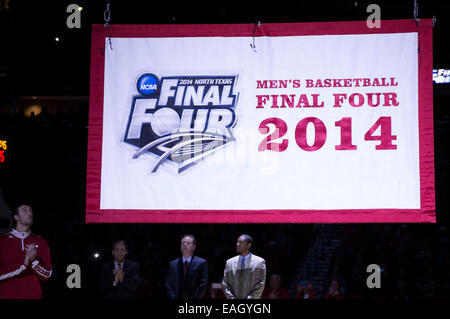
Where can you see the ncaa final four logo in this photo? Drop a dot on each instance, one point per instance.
(181, 119)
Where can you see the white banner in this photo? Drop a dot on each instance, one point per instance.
(239, 175)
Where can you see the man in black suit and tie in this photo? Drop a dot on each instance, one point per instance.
(187, 277)
(119, 278)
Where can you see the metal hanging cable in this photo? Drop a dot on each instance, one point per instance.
(416, 11)
(107, 18)
(416, 14)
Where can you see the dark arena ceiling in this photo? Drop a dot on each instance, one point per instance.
(41, 56)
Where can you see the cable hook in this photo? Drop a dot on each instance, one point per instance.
(257, 25)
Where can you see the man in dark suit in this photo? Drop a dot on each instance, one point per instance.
(119, 278)
(187, 277)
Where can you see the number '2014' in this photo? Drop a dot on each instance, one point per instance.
(270, 142)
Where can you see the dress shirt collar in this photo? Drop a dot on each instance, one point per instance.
(188, 259)
(245, 258)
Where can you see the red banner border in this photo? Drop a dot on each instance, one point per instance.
(427, 212)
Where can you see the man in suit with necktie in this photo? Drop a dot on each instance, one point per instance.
(119, 278)
(245, 274)
(187, 277)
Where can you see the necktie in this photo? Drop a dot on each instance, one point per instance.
(185, 267)
(242, 262)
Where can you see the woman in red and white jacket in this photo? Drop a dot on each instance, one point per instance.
(24, 259)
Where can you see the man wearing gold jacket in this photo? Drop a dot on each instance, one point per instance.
(245, 274)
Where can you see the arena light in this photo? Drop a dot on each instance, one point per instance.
(35, 109)
(441, 76)
(96, 255)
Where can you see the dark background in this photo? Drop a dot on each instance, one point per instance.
(47, 152)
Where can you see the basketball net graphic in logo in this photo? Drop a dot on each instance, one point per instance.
(181, 119)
